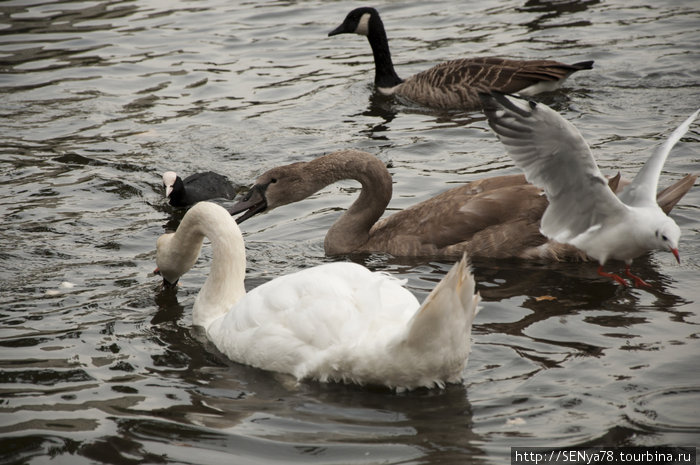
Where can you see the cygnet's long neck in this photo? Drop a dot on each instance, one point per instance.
(351, 230)
(225, 284)
(384, 74)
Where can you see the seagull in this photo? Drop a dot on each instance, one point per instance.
(582, 210)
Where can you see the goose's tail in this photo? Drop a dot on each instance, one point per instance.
(439, 334)
(583, 65)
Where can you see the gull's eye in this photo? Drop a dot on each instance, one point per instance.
(663, 236)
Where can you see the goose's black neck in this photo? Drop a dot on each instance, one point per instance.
(384, 74)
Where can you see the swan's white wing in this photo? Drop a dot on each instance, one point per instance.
(642, 190)
(290, 323)
(554, 155)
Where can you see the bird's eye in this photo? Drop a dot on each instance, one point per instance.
(663, 236)
(273, 180)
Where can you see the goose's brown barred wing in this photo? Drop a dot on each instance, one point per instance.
(456, 84)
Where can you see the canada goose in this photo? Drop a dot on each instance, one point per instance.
(334, 322)
(454, 84)
(496, 217)
(197, 187)
(582, 210)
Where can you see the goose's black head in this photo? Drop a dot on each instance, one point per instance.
(357, 22)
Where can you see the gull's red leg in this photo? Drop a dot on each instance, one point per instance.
(639, 282)
(614, 276)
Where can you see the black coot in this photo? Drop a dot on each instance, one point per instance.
(197, 187)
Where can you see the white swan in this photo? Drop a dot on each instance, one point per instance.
(334, 322)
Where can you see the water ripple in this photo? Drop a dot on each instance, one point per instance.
(100, 364)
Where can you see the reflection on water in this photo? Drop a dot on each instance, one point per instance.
(553, 11)
(100, 364)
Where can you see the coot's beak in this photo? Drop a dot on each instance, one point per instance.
(253, 203)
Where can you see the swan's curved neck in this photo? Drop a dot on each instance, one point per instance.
(351, 230)
(225, 284)
(384, 74)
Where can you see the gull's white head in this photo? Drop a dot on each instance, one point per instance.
(666, 236)
(169, 178)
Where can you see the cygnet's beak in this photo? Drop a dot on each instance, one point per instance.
(676, 254)
(253, 203)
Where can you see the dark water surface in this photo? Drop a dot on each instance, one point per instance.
(97, 99)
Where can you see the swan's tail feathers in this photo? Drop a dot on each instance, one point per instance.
(442, 325)
(669, 197)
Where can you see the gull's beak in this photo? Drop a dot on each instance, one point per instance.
(676, 254)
